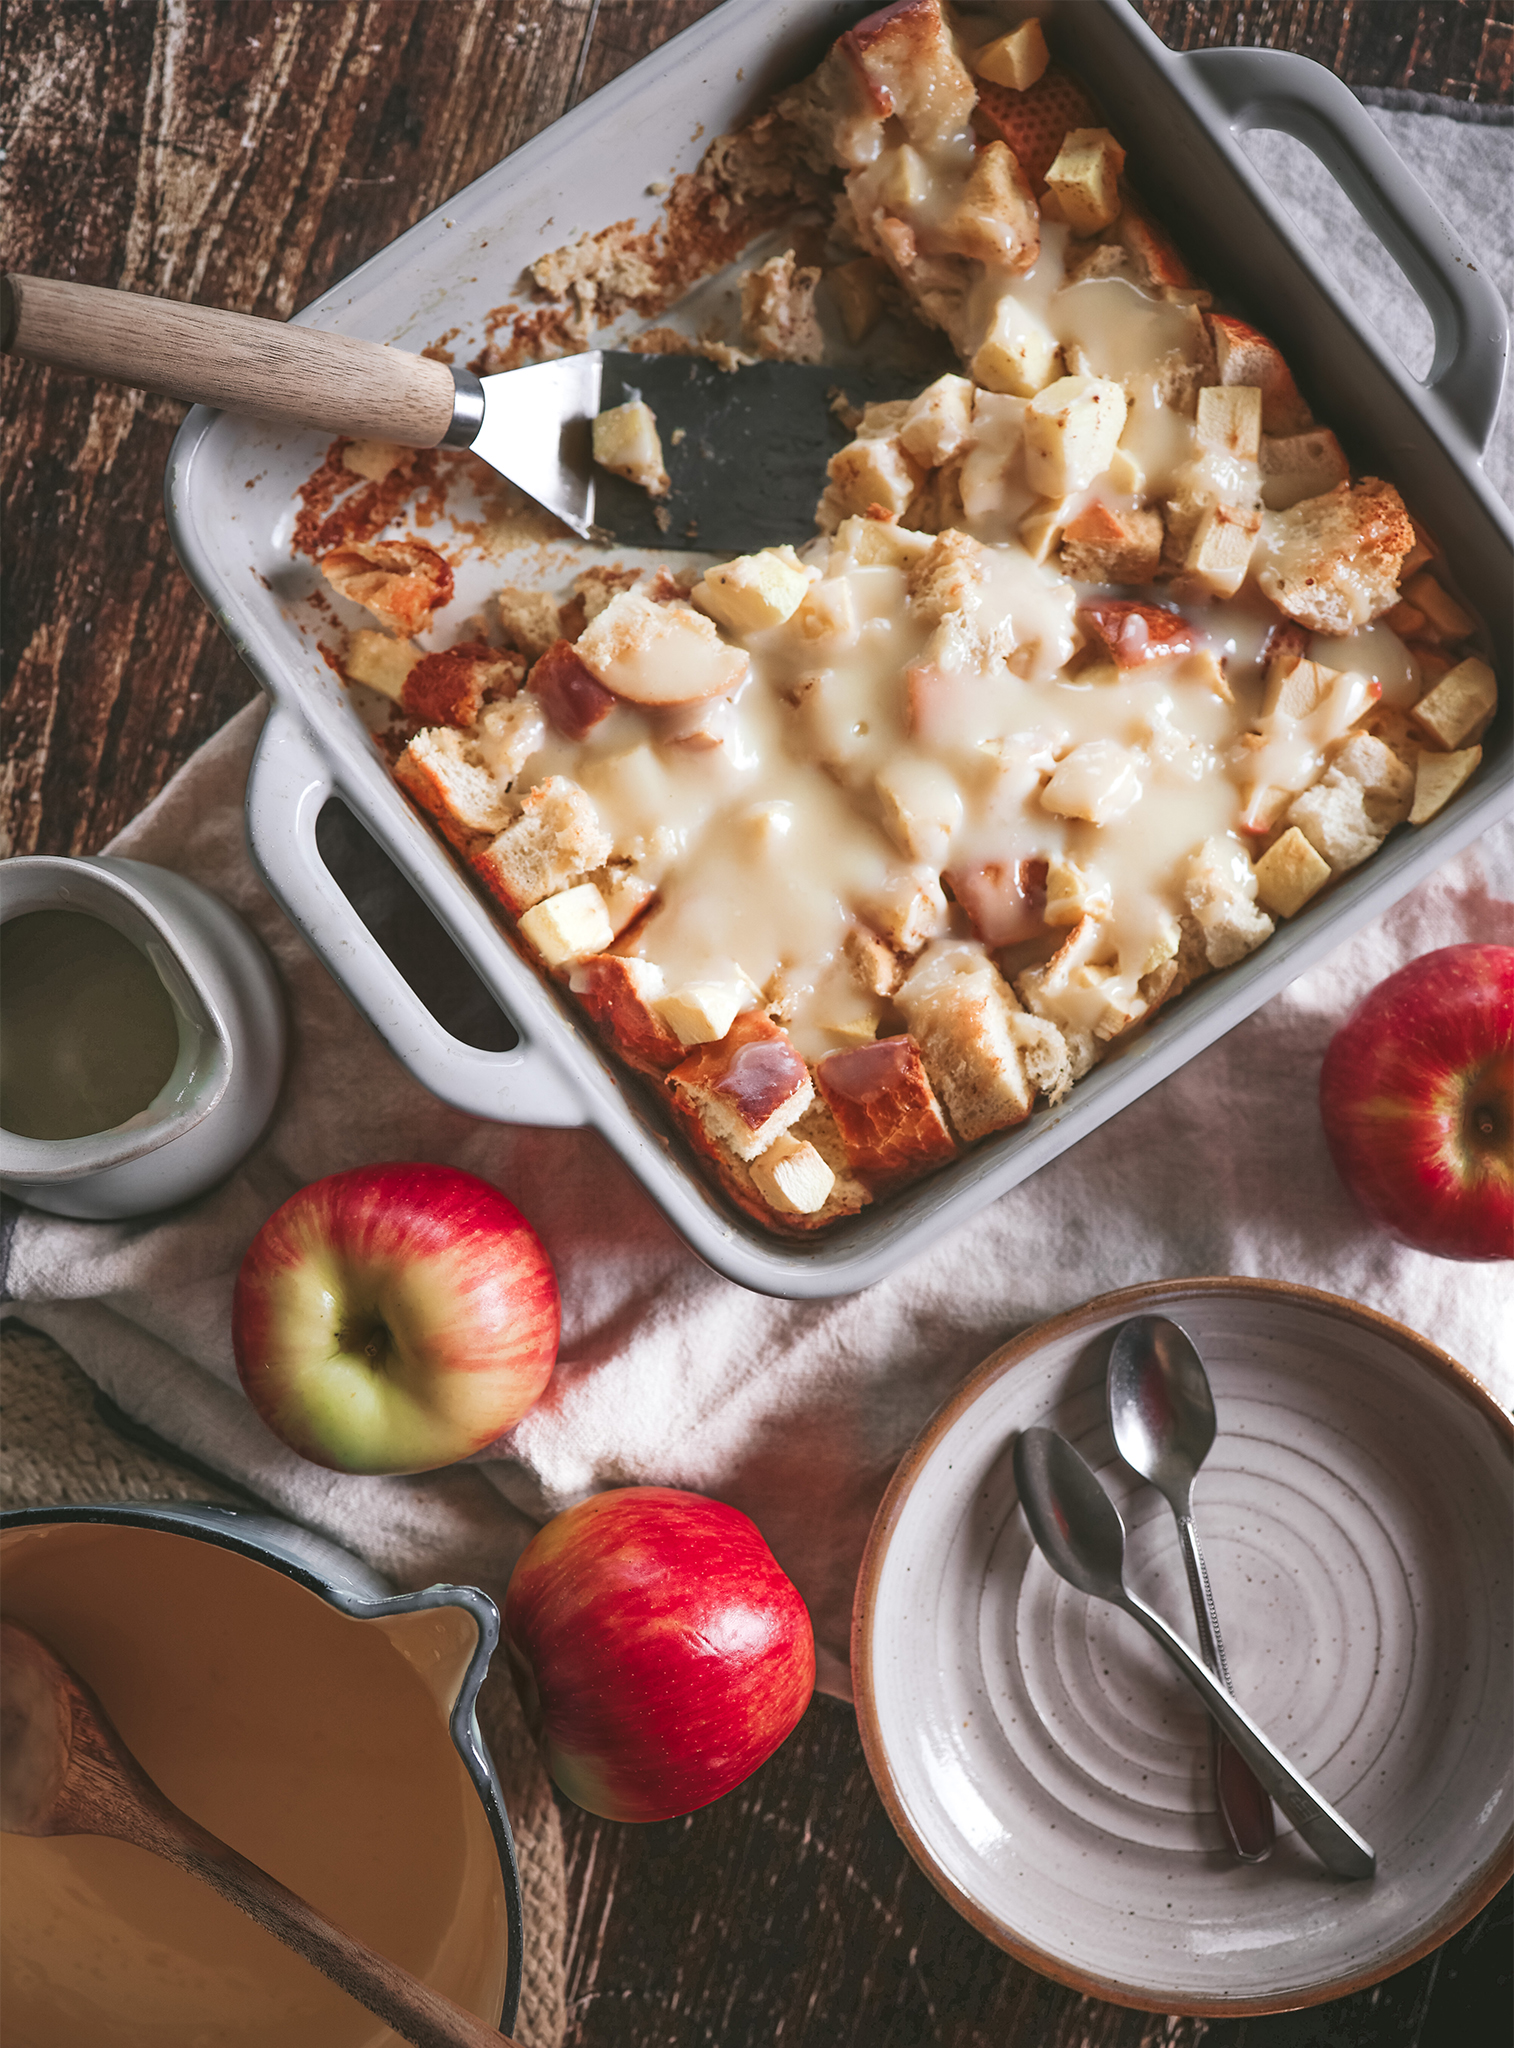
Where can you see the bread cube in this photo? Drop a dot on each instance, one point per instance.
(1246, 356)
(556, 838)
(778, 316)
(619, 993)
(449, 688)
(748, 1087)
(574, 700)
(1219, 890)
(939, 422)
(1004, 900)
(701, 1012)
(1364, 792)
(754, 591)
(908, 58)
(1296, 466)
(567, 926)
(885, 1109)
(1085, 179)
(1219, 555)
(1332, 562)
(401, 582)
(377, 460)
(1460, 708)
(947, 578)
(974, 1040)
(659, 654)
(1019, 355)
(1016, 60)
(1437, 778)
(792, 1177)
(442, 772)
(626, 442)
(1156, 262)
(529, 620)
(379, 661)
(1103, 546)
(595, 589)
(857, 289)
(875, 967)
(996, 219)
(1289, 873)
(1229, 420)
(1071, 431)
(1429, 595)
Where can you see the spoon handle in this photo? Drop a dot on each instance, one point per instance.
(413, 2009)
(1336, 1843)
(1245, 1809)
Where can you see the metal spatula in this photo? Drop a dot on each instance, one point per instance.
(745, 470)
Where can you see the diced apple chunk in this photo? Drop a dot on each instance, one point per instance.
(1016, 60)
(1086, 179)
(1019, 354)
(1437, 778)
(568, 926)
(1432, 598)
(879, 543)
(1289, 873)
(702, 1012)
(792, 1177)
(754, 591)
(380, 661)
(939, 422)
(1219, 554)
(1071, 430)
(1229, 420)
(1458, 710)
(626, 442)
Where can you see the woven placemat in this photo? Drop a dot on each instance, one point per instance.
(57, 1449)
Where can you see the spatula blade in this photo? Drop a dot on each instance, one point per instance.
(536, 431)
(745, 449)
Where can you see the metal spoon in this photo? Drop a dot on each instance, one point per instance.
(1162, 1415)
(1078, 1529)
(65, 1771)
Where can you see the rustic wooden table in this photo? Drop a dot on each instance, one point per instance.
(246, 153)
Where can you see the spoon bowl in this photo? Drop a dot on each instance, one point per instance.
(1161, 1408)
(1078, 1529)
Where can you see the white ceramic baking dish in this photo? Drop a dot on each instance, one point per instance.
(231, 488)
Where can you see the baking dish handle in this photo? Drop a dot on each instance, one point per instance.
(1279, 89)
(286, 790)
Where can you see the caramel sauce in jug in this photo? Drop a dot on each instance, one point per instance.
(88, 1034)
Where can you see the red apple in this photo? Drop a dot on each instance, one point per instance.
(1417, 1094)
(669, 1654)
(394, 1318)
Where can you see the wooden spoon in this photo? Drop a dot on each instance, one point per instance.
(65, 1771)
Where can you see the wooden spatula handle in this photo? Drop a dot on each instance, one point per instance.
(296, 376)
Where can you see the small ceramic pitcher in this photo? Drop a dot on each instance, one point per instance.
(230, 1015)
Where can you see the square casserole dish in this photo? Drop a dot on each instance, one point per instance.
(231, 501)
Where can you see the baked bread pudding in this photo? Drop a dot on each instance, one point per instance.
(1101, 664)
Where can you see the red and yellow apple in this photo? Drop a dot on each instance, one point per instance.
(394, 1318)
(668, 1653)
(1417, 1096)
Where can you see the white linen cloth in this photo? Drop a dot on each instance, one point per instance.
(669, 1375)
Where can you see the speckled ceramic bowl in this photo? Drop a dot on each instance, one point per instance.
(1048, 1768)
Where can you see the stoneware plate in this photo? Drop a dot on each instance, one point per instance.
(1047, 1767)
